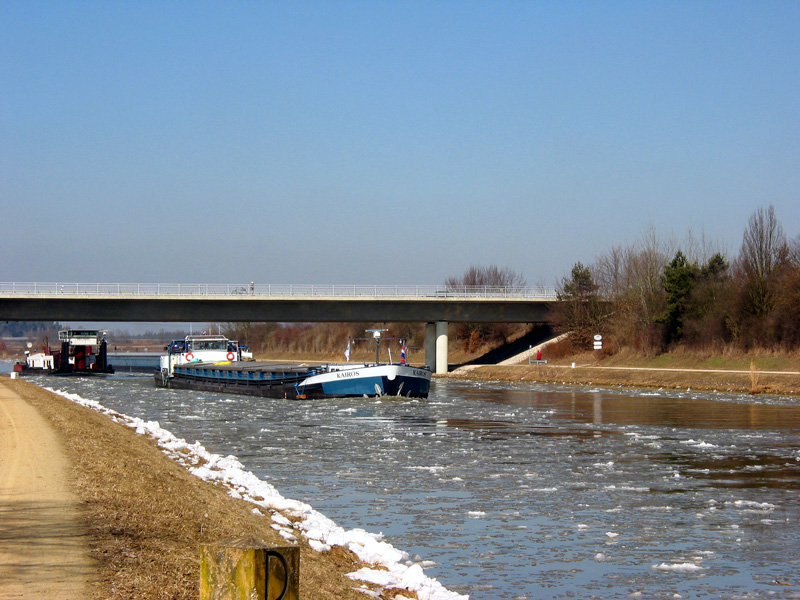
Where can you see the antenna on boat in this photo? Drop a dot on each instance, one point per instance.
(376, 334)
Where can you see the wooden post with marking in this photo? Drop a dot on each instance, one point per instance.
(248, 569)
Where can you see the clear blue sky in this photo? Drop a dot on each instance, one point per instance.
(385, 142)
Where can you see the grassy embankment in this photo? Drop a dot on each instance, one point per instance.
(743, 371)
(754, 372)
(147, 515)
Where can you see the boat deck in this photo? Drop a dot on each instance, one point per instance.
(253, 365)
(248, 371)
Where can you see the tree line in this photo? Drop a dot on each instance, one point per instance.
(654, 296)
(29, 329)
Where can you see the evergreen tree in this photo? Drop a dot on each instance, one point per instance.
(714, 268)
(678, 280)
(706, 316)
(580, 309)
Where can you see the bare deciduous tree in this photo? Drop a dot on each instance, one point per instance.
(609, 271)
(630, 278)
(764, 249)
(475, 335)
(491, 276)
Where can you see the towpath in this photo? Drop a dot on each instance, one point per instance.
(43, 542)
(467, 368)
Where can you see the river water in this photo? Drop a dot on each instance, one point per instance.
(523, 491)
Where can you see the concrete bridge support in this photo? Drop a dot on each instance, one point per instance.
(430, 345)
(441, 347)
(436, 346)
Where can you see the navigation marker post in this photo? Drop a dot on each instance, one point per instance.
(598, 345)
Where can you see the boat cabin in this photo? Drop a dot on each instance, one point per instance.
(83, 350)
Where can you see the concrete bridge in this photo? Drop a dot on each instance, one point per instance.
(434, 305)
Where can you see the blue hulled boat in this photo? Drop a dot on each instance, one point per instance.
(214, 363)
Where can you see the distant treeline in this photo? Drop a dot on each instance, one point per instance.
(34, 330)
(319, 338)
(310, 339)
(654, 296)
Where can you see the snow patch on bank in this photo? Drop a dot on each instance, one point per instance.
(394, 569)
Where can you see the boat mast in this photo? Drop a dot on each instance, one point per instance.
(376, 334)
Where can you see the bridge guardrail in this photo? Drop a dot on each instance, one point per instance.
(271, 290)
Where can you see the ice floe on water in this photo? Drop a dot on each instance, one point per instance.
(685, 566)
(628, 488)
(698, 444)
(393, 569)
(431, 469)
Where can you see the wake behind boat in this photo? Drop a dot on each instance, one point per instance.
(214, 363)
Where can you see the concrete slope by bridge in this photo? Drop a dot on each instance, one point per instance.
(517, 350)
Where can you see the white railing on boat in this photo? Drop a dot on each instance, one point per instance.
(273, 290)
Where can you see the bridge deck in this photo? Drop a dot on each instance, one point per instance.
(209, 302)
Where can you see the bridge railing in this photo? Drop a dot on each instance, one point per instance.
(271, 290)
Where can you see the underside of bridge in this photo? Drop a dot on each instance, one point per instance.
(437, 313)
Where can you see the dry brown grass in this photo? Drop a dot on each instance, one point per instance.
(147, 516)
(754, 389)
(635, 371)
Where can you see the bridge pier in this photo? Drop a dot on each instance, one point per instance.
(430, 345)
(436, 346)
(441, 347)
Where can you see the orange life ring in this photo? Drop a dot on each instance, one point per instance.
(231, 356)
(189, 356)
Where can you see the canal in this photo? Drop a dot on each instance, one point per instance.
(523, 491)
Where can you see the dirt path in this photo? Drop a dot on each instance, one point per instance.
(43, 544)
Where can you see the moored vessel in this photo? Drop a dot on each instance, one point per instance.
(213, 363)
(81, 352)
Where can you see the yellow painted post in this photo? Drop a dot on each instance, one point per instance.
(248, 570)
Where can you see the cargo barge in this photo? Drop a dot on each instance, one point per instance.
(214, 363)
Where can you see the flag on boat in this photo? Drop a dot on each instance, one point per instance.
(403, 352)
(347, 351)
